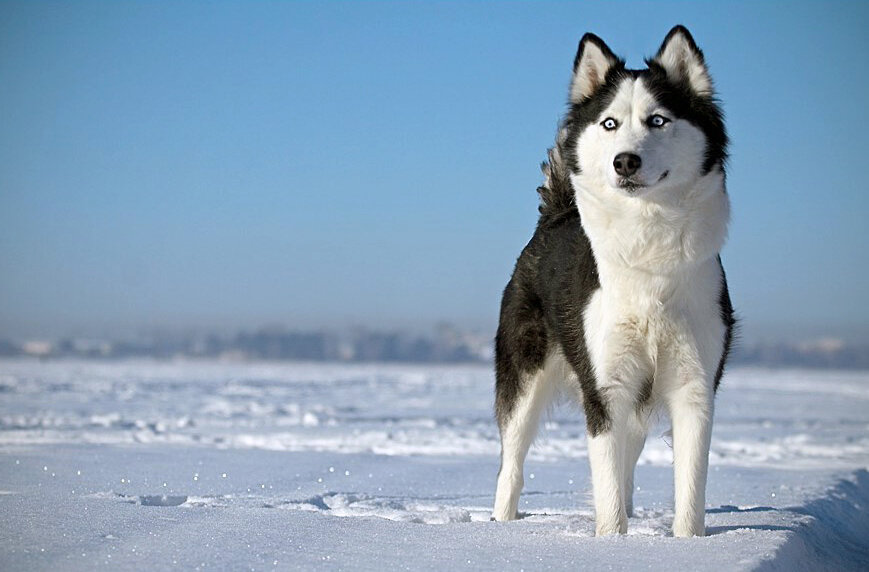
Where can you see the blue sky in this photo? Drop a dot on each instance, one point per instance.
(231, 164)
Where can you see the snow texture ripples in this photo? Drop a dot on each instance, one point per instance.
(396, 410)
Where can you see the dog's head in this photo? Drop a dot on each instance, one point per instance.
(643, 132)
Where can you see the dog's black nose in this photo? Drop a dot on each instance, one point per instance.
(626, 164)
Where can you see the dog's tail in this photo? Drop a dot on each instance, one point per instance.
(556, 192)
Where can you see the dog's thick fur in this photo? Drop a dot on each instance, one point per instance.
(620, 298)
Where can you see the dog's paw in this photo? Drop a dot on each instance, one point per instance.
(503, 517)
(688, 529)
(619, 526)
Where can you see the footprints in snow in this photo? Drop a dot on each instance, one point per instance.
(402, 510)
(331, 503)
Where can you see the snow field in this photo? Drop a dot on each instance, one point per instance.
(299, 466)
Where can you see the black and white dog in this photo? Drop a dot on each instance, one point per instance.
(620, 299)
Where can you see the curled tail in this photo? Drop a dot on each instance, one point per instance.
(556, 192)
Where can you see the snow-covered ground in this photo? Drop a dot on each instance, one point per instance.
(204, 465)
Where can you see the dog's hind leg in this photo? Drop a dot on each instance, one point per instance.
(518, 428)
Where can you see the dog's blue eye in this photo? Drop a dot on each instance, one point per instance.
(609, 123)
(657, 121)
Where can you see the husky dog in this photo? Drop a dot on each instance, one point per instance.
(619, 299)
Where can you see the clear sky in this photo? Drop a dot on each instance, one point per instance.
(231, 164)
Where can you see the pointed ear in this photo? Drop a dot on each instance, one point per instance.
(593, 60)
(683, 61)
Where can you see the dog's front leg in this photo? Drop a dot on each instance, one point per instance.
(606, 454)
(691, 408)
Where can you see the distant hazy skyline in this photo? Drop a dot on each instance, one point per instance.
(227, 165)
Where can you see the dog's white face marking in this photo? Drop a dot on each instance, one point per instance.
(666, 151)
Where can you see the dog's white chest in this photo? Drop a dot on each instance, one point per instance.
(663, 237)
(660, 278)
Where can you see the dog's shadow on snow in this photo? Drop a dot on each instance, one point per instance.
(730, 509)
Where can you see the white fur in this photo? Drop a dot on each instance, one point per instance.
(519, 432)
(655, 315)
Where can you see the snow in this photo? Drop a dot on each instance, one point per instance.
(162, 465)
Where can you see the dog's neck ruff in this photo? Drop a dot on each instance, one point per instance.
(664, 233)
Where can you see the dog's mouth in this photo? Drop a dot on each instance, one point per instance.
(632, 185)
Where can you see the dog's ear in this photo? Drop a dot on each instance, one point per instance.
(593, 60)
(683, 61)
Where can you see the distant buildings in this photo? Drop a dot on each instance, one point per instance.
(823, 353)
(445, 344)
